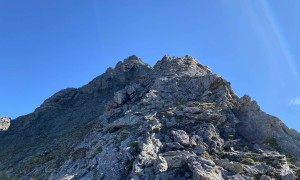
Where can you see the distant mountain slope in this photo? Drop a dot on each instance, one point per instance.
(176, 120)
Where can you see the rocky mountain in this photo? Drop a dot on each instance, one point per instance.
(176, 120)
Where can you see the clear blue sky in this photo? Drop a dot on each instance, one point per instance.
(49, 45)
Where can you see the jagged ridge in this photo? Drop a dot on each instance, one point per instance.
(175, 120)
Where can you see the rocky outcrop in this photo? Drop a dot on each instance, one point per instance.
(4, 123)
(259, 127)
(177, 120)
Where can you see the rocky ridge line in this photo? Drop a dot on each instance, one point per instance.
(177, 120)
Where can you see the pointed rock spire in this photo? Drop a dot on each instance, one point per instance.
(132, 61)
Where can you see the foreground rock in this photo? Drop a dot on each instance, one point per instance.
(4, 123)
(176, 120)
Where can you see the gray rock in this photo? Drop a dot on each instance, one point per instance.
(181, 137)
(230, 166)
(204, 169)
(287, 173)
(231, 143)
(176, 120)
(194, 110)
(176, 159)
(162, 165)
(124, 121)
(265, 177)
(175, 145)
(195, 140)
(261, 168)
(270, 129)
(171, 122)
(120, 97)
(199, 149)
(4, 123)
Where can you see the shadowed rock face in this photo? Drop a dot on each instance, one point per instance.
(177, 120)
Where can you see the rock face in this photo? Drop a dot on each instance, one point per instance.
(176, 120)
(4, 123)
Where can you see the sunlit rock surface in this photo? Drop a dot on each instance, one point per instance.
(4, 123)
(176, 120)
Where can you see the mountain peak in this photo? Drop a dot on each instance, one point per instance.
(133, 61)
(180, 65)
(133, 58)
(178, 120)
(128, 63)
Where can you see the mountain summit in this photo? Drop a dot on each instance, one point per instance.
(176, 120)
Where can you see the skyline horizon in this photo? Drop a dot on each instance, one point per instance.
(152, 65)
(50, 45)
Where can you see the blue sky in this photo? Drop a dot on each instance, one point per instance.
(49, 45)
